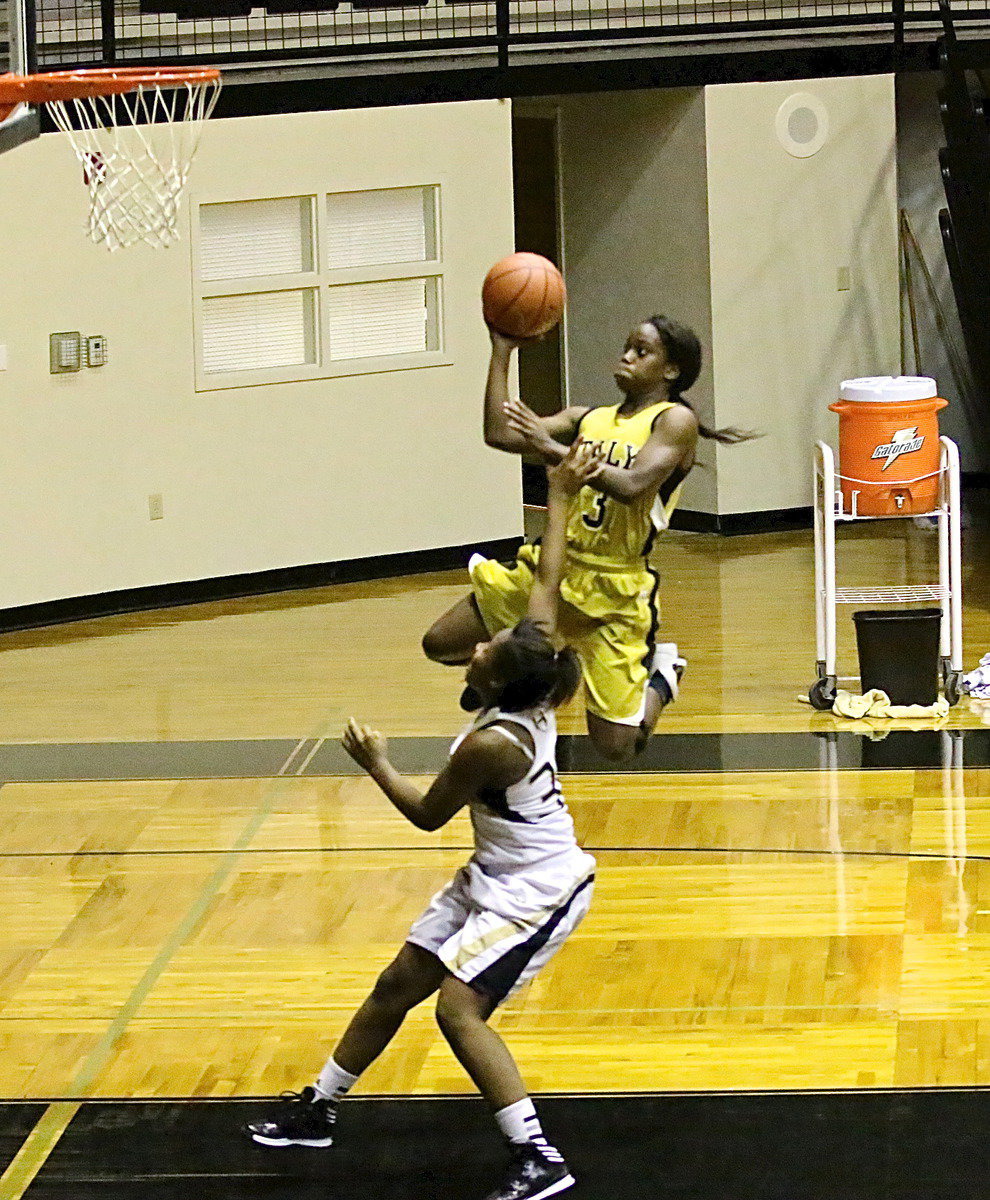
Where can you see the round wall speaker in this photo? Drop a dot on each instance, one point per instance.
(802, 125)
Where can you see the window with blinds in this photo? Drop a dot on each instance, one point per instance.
(300, 287)
(396, 225)
(263, 329)
(256, 237)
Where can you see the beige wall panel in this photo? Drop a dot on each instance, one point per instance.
(257, 477)
(780, 227)
(635, 236)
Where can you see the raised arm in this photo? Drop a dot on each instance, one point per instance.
(483, 760)
(564, 481)
(558, 430)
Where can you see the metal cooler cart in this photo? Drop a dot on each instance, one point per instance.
(947, 592)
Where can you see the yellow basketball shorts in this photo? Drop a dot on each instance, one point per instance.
(610, 617)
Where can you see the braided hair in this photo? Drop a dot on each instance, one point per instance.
(684, 350)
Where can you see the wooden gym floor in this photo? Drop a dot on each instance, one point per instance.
(197, 889)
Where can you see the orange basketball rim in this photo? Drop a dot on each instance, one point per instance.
(52, 86)
(134, 131)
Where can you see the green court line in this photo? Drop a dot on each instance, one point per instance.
(56, 1118)
(36, 1148)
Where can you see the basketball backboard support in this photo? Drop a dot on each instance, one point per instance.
(24, 123)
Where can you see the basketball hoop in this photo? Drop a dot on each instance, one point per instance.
(134, 131)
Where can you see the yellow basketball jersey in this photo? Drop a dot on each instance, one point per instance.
(600, 528)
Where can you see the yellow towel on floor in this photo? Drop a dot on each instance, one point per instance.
(876, 703)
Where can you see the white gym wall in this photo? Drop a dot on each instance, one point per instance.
(782, 227)
(258, 477)
(682, 200)
(685, 201)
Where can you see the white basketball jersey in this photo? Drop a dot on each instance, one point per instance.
(528, 822)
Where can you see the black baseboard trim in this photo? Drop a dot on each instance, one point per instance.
(256, 583)
(777, 520)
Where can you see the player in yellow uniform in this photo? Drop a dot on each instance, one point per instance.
(646, 446)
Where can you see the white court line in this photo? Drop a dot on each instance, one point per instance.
(311, 755)
(284, 769)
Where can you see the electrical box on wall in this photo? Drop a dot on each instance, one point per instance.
(65, 352)
(96, 350)
(71, 351)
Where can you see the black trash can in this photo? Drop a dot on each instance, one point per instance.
(898, 652)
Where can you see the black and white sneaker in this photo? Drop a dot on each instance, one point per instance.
(531, 1175)
(302, 1119)
(666, 670)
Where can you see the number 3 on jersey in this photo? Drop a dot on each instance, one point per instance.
(595, 518)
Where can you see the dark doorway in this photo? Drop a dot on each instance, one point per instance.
(537, 228)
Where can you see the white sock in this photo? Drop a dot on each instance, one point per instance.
(519, 1123)
(334, 1082)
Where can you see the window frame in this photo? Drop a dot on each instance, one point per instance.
(319, 281)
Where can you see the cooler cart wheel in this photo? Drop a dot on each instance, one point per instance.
(822, 693)
(951, 683)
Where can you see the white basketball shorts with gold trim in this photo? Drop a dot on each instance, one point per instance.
(495, 932)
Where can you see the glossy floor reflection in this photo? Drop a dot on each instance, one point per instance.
(298, 664)
(937, 809)
(694, 970)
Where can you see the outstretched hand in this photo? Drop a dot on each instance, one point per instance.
(365, 745)
(579, 466)
(527, 424)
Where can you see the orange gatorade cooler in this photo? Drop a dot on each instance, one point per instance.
(888, 445)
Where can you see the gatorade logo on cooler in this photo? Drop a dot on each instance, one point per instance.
(904, 441)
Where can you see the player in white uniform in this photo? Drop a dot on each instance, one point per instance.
(510, 908)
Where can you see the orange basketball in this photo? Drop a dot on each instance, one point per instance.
(523, 295)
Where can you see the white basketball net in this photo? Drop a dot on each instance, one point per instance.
(135, 149)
